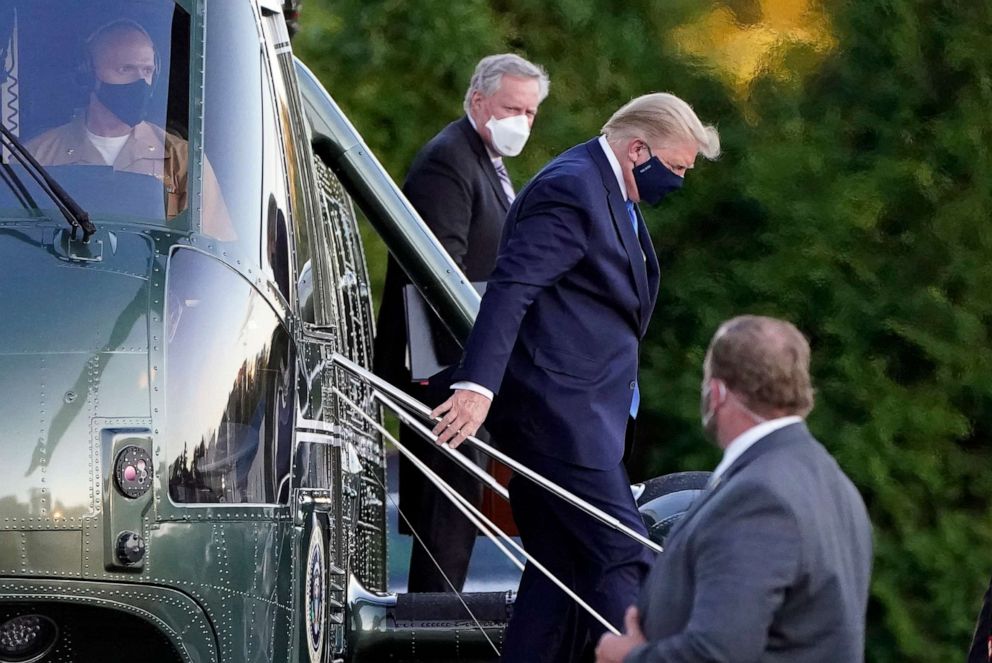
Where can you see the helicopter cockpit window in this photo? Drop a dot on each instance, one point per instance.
(99, 94)
(232, 124)
(229, 387)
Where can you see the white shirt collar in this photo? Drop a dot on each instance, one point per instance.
(747, 439)
(614, 164)
(493, 154)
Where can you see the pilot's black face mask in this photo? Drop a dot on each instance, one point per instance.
(128, 101)
(654, 180)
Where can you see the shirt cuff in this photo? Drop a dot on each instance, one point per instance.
(471, 386)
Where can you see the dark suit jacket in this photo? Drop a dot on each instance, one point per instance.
(558, 333)
(454, 187)
(979, 652)
(772, 564)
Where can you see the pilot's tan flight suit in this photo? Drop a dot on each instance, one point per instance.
(149, 150)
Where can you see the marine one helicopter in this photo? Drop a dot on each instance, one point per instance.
(192, 460)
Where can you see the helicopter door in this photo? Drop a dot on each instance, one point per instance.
(321, 494)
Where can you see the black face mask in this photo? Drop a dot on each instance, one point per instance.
(128, 101)
(654, 181)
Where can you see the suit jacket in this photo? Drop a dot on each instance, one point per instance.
(979, 652)
(558, 333)
(772, 564)
(453, 186)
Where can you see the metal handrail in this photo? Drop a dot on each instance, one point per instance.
(424, 411)
(426, 433)
(477, 518)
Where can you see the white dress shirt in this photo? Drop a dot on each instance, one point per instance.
(745, 441)
(615, 165)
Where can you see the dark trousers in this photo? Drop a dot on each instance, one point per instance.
(604, 567)
(445, 534)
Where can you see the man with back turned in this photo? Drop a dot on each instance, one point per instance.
(772, 562)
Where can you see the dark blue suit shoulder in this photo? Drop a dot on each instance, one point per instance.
(558, 186)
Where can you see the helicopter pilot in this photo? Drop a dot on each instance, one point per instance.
(119, 67)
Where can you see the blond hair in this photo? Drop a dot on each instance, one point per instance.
(662, 117)
(765, 361)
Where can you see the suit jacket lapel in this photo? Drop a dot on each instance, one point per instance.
(618, 210)
(484, 161)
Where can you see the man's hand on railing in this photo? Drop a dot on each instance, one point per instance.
(463, 414)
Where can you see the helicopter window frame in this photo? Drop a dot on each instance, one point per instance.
(276, 202)
(304, 204)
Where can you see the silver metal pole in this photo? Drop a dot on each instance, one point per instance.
(426, 433)
(491, 451)
(477, 518)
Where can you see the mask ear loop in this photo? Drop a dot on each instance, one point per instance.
(751, 413)
(650, 154)
(711, 410)
(724, 392)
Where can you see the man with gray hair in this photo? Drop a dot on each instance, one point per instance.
(557, 341)
(460, 186)
(772, 563)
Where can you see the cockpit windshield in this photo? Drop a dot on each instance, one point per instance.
(99, 94)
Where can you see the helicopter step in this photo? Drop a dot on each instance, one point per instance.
(439, 627)
(429, 609)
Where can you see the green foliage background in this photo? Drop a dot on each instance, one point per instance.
(853, 197)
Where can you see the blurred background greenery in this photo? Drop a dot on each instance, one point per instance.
(852, 197)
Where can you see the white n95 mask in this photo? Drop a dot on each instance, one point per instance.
(509, 134)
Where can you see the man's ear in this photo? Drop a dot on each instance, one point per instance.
(718, 391)
(634, 147)
(477, 99)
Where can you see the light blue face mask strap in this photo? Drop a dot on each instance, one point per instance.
(751, 413)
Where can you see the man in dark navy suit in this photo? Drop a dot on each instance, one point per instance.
(461, 188)
(557, 341)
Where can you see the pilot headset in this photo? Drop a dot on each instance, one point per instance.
(85, 76)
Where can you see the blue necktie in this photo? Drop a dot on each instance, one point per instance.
(635, 402)
(632, 214)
